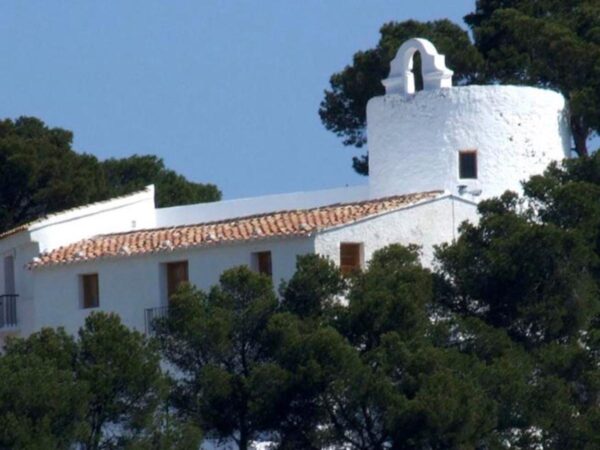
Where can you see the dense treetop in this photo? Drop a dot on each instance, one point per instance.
(103, 389)
(497, 348)
(40, 173)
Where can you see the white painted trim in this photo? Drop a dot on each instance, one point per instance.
(92, 209)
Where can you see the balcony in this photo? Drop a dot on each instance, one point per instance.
(151, 314)
(8, 311)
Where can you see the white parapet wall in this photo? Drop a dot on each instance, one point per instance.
(414, 140)
(129, 212)
(227, 209)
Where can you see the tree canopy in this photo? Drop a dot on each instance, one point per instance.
(40, 173)
(102, 389)
(217, 342)
(551, 44)
(496, 348)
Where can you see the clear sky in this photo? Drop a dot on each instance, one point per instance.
(224, 91)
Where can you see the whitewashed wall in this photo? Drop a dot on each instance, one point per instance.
(120, 214)
(414, 140)
(23, 251)
(130, 285)
(427, 224)
(126, 213)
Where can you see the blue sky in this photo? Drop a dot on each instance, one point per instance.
(224, 91)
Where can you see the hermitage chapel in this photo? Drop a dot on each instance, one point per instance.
(434, 154)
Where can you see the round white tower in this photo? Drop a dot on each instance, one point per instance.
(476, 141)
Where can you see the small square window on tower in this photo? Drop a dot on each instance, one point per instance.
(350, 257)
(467, 164)
(90, 291)
(262, 263)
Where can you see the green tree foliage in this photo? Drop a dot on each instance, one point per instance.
(407, 391)
(40, 174)
(124, 380)
(397, 366)
(217, 341)
(101, 390)
(309, 358)
(532, 279)
(134, 173)
(552, 44)
(377, 373)
(530, 269)
(167, 432)
(392, 295)
(548, 43)
(42, 405)
(343, 110)
(566, 196)
(314, 289)
(499, 349)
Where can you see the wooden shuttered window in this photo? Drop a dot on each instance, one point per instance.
(177, 274)
(350, 257)
(90, 291)
(263, 263)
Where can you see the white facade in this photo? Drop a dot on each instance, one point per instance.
(427, 224)
(414, 145)
(414, 142)
(131, 285)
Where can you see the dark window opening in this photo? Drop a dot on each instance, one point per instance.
(177, 274)
(9, 275)
(350, 258)
(467, 164)
(417, 70)
(90, 291)
(263, 263)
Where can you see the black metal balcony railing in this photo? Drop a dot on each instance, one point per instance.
(151, 314)
(8, 310)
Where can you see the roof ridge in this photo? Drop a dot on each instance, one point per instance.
(269, 213)
(280, 224)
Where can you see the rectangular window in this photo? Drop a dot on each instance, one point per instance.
(177, 274)
(262, 263)
(9, 275)
(350, 257)
(467, 164)
(90, 291)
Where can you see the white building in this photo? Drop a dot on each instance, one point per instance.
(433, 155)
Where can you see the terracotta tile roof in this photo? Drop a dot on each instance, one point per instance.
(16, 230)
(262, 226)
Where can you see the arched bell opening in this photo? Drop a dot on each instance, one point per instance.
(416, 67)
